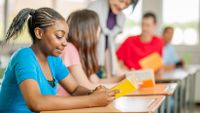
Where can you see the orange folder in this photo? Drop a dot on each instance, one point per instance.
(152, 61)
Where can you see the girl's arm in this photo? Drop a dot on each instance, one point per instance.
(81, 77)
(122, 67)
(38, 102)
(71, 86)
(92, 82)
(112, 80)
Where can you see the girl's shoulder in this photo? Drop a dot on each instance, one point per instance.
(70, 48)
(23, 53)
(22, 56)
(70, 55)
(69, 44)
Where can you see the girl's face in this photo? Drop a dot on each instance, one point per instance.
(54, 38)
(118, 5)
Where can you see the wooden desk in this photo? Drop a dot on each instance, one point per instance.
(172, 76)
(178, 76)
(194, 71)
(139, 104)
(166, 89)
(186, 84)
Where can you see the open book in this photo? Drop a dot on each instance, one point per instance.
(134, 80)
(144, 77)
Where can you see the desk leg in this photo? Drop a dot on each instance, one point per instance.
(162, 107)
(156, 111)
(184, 93)
(192, 92)
(187, 94)
(181, 97)
(168, 104)
(176, 99)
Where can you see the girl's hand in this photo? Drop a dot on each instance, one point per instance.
(101, 96)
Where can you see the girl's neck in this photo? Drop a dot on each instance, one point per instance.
(41, 57)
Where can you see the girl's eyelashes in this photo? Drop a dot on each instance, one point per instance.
(61, 37)
(58, 37)
(59, 34)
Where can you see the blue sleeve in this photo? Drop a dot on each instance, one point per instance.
(61, 70)
(175, 56)
(169, 55)
(25, 69)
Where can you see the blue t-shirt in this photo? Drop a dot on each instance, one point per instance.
(22, 66)
(169, 55)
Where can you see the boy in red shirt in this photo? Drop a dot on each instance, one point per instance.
(137, 47)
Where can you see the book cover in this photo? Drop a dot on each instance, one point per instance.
(152, 61)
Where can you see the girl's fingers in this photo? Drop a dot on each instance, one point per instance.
(111, 99)
(117, 91)
(113, 92)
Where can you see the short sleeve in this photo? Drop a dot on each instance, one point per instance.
(61, 69)
(70, 56)
(169, 55)
(25, 69)
(175, 56)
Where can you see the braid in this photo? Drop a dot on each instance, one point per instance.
(42, 18)
(18, 23)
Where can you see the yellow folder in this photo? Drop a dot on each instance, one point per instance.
(125, 87)
(152, 61)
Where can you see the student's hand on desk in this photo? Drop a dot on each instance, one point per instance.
(102, 96)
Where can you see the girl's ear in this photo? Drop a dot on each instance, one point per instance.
(38, 33)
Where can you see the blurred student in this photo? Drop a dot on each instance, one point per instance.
(30, 80)
(170, 57)
(111, 22)
(80, 55)
(137, 47)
